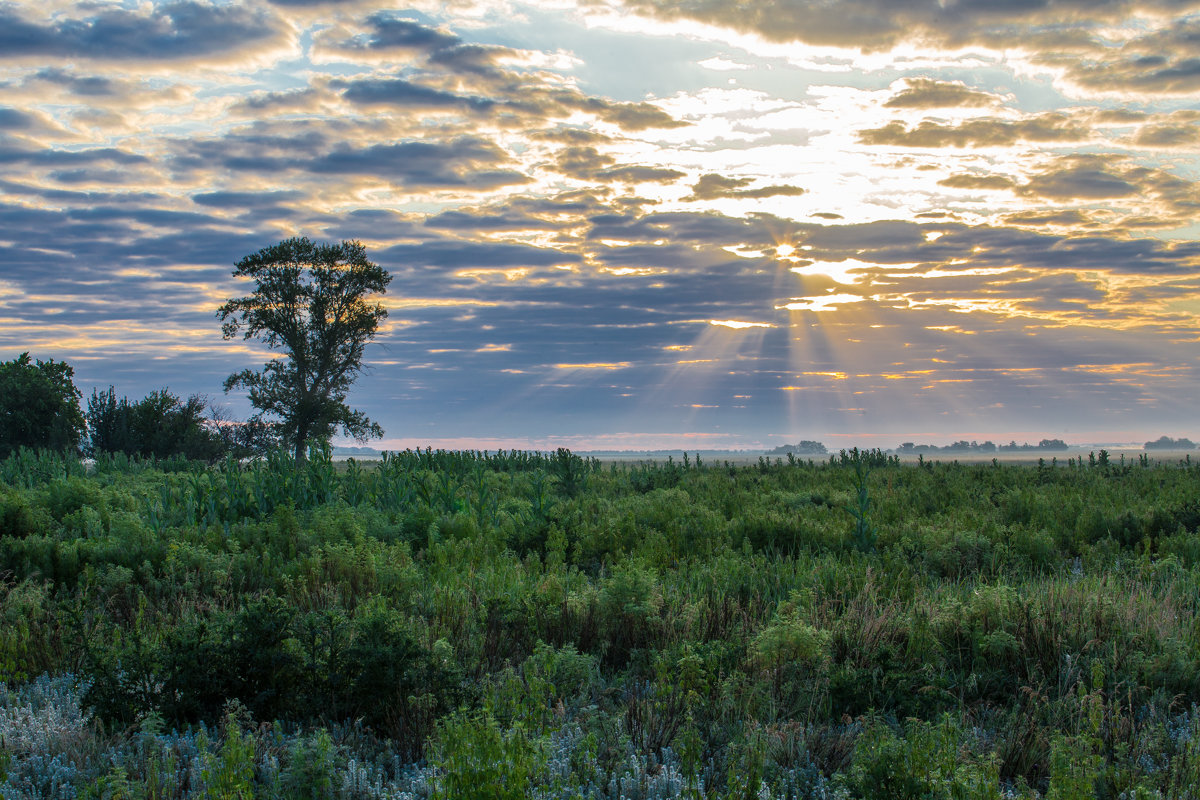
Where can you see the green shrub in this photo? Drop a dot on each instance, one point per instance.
(476, 760)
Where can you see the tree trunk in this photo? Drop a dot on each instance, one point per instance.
(301, 445)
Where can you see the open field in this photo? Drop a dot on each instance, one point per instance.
(462, 625)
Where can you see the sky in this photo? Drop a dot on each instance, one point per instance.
(623, 224)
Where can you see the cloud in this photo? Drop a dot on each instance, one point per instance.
(1159, 61)
(712, 186)
(388, 32)
(1098, 177)
(631, 116)
(1125, 47)
(978, 182)
(930, 93)
(639, 174)
(54, 158)
(400, 92)
(1047, 127)
(1084, 182)
(168, 32)
(13, 119)
(1167, 136)
(253, 105)
(470, 78)
(90, 86)
(465, 162)
(880, 25)
(511, 193)
(1123, 193)
(1068, 218)
(246, 199)
(451, 253)
(589, 164)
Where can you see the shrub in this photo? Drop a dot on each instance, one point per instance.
(476, 760)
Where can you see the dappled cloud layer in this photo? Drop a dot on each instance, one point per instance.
(646, 223)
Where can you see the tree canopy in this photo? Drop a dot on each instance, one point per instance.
(39, 405)
(314, 303)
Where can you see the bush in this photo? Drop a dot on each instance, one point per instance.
(476, 760)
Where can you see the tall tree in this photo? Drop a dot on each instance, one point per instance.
(315, 303)
(39, 405)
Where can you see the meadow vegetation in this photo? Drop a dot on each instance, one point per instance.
(462, 625)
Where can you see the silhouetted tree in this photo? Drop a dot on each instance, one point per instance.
(313, 303)
(39, 405)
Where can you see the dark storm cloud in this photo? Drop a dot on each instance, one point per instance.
(712, 186)
(929, 93)
(172, 31)
(1049, 127)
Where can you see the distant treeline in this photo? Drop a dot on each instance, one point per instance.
(1167, 443)
(804, 447)
(964, 446)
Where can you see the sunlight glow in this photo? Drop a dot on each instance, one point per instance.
(822, 303)
(595, 365)
(845, 272)
(738, 324)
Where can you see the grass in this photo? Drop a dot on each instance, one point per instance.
(445, 624)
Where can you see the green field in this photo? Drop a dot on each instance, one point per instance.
(470, 625)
